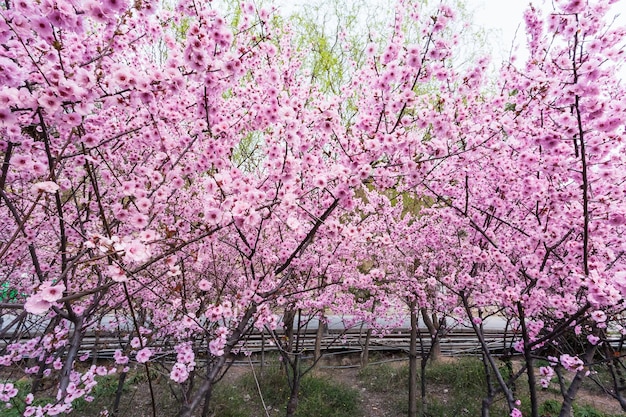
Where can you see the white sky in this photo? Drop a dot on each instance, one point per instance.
(502, 17)
(506, 15)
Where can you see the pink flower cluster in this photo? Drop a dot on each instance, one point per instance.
(185, 363)
(216, 346)
(571, 363)
(144, 355)
(40, 302)
(546, 372)
(7, 391)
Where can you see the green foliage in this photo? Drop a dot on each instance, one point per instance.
(180, 29)
(7, 293)
(326, 57)
(230, 401)
(550, 408)
(248, 154)
(273, 383)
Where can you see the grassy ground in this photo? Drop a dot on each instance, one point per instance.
(455, 388)
(320, 396)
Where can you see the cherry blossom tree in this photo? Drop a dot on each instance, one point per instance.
(183, 172)
(123, 182)
(538, 195)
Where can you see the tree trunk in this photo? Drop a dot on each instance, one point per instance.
(319, 335)
(413, 361)
(433, 325)
(615, 366)
(487, 357)
(75, 341)
(206, 388)
(288, 320)
(365, 354)
(207, 403)
(262, 351)
(488, 400)
(118, 394)
(530, 368)
(292, 404)
(570, 395)
(423, 362)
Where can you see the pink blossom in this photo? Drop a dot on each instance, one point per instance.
(136, 251)
(213, 216)
(6, 116)
(120, 358)
(598, 316)
(39, 169)
(128, 187)
(593, 339)
(114, 5)
(35, 304)
(135, 342)
(148, 236)
(204, 285)
(95, 9)
(214, 313)
(546, 371)
(116, 273)
(72, 119)
(138, 220)
(144, 355)
(49, 102)
(30, 411)
(179, 373)
(143, 204)
(571, 363)
(216, 346)
(45, 186)
(52, 293)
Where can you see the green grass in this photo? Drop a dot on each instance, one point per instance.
(465, 381)
(551, 408)
(455, 388)
(385, 378)
(319, 396)
(449, 385)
